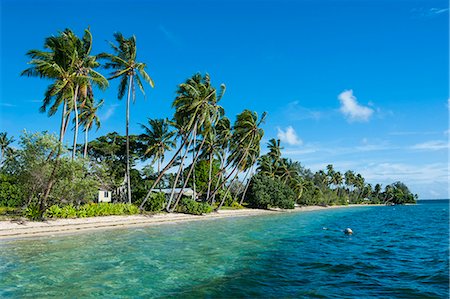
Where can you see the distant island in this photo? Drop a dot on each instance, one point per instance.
(214, 163)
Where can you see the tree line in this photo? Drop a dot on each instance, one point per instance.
(225, 161)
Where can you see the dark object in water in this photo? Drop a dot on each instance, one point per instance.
(348, 231)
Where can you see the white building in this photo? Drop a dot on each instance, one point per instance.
(104, 195)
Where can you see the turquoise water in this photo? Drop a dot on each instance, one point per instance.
(395, 252)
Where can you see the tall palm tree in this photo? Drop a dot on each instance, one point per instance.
(247, 135)
(197, 110)
(71, 67)
(53, 64)
(89, 118)
(125, 66)
(159, 139)
(4, 143)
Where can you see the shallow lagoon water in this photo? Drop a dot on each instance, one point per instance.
(395, 252)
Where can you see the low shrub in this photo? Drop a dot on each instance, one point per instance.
(91, 210)
(190, 206)
(33, 212)
(236, 205)
(155, 203)
(228, 199)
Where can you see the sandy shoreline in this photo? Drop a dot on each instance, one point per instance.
(24, 229)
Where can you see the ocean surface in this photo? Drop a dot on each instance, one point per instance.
(395, 252)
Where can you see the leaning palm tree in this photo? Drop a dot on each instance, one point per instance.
(197, 109)
(89, 118)
(124, 65)
(246, 137)
(159, 139)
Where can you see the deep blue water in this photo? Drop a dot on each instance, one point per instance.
(395, 252)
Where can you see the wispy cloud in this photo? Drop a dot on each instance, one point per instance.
(351, 109)
(423, 13)
(294, 111)
(433, 145)
(7, 105)
(412, 133)
(289, 136)
(109, 112)
(437, 11)
(172, 38)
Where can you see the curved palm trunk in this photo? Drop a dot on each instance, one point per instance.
(248, 183)
(86, 140)
(159, 169)
(161, 174)
(180, 169)
(75, 135)
(63, 125)
(128, 140)
(226, 192)
(188, 176)
(237, 165)
(209, 174)
(213, 197)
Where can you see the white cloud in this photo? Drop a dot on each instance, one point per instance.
(425, 13)
(351, 109)
(289, 136)
(437, 11)
(433, 145)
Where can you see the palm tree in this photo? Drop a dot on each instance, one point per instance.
(89, 117)
(247, 136)
(4, 143)
(159, 139)
(197, 111)
(124, 65)
(71, 66)
(223, 137)
(53, 64)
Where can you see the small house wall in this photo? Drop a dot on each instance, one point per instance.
(104, 196)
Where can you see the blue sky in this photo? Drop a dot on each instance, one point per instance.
(359, 84)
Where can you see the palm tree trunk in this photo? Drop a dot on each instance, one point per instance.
(63, 118)
(194, 160)
(86, 141)
(189, 174)
(247, 184)
(167, 167)
(237, 165)
(159, 168)
(226, 192)
(209, 173)
(128, 140)
(180, 169)
(213, 197)
(75, 135)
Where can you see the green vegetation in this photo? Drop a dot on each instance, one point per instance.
(41, 177)
(90, 210)
(190, 206)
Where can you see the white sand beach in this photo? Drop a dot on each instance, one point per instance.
(15, 229)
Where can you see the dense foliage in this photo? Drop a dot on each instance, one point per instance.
(265, 192)
(190, 206)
